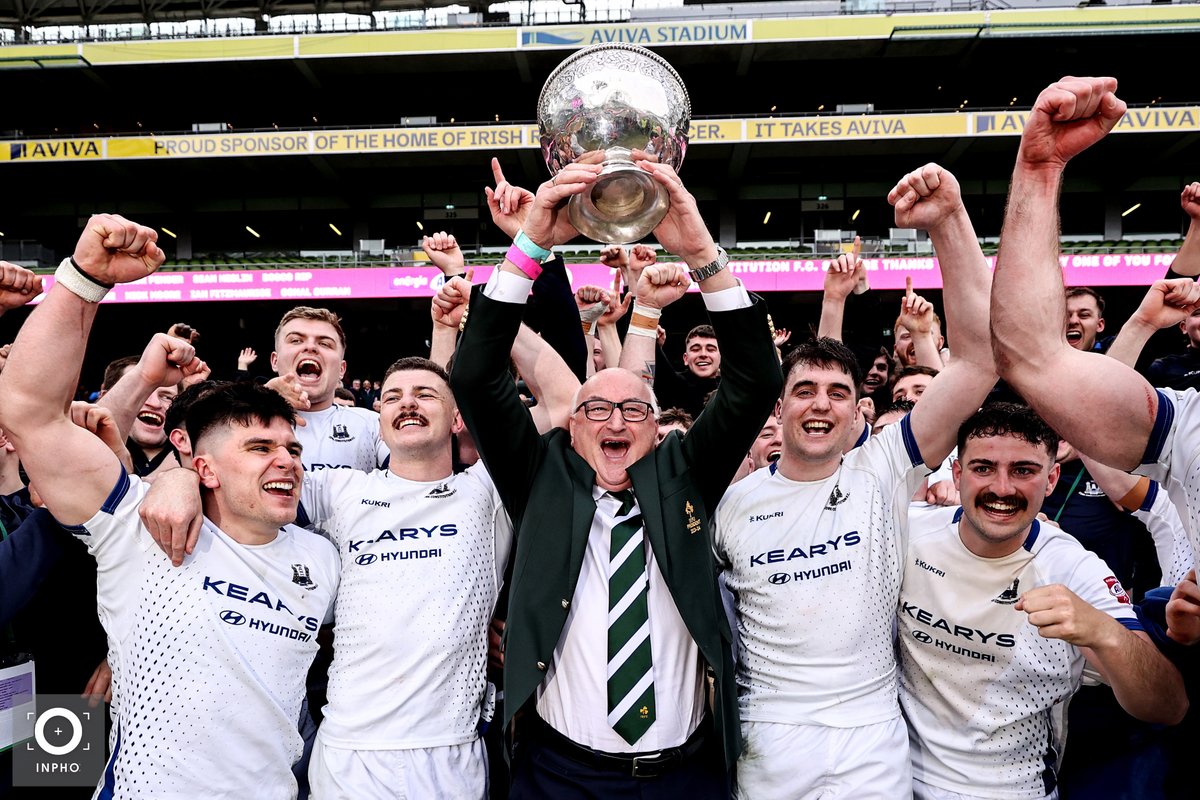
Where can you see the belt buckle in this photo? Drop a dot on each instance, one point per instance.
(645, 766)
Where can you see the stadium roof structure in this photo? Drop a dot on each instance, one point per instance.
(22, 13)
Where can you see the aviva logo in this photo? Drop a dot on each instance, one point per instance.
(62, 150)
(548, 39)
(1181, 118)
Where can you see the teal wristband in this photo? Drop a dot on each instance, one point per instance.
(529, 248)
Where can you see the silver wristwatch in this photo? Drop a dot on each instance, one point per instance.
(712, 267)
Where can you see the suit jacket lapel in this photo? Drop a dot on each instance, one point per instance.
(583, 510)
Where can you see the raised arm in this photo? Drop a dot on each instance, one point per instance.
(606, 325)
(658, 286)
(548, 377)
(158, 367)
(918, 319)
(1187, 261)
(930, 199)
(1166, 304)
(844, 274)
(445, 254)
(751, 379)
(74, 471)
(18, 286)
(487, 398)
(1028, 303)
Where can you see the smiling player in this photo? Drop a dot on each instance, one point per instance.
(811, 547)
(223, 642)
(309, 357)
(997, 617)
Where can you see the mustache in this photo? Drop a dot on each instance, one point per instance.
(1013, 500)
(402, 418)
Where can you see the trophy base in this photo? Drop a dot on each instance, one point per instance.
(623, 206)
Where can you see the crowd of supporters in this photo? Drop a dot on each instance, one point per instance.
(549, 558)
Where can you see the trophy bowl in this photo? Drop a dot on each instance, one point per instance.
(601, 104)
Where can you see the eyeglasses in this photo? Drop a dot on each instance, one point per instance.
(601, 410)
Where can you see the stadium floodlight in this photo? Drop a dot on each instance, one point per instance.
(334, 228)
(1131, 209)
(253, 232)
(169, 232)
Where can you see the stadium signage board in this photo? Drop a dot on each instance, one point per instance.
(788, 130)
(782, 275)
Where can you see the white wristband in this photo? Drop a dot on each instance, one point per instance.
(79, 283)
(590, 313)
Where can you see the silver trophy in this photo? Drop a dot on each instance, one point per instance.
(600, 105)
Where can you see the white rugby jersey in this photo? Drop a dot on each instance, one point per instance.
(208, 659)
(422, 565)
(984, 693)
(814, 569)
(1173, 457)
(341, 437)
(1161, 518)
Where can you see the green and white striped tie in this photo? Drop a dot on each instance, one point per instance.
(630, 667)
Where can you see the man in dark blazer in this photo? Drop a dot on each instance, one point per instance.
(565, 494)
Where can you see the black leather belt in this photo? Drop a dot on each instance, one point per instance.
(637, 765)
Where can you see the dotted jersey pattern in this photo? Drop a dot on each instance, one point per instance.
(815, 584)
(421, 571)
(984, 693)
(208, 659)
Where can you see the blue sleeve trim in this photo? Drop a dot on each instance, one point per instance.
(910, 442)
(1162, 426)
(119, 490)
(1133, 624)
(108, 787)
(1034, 530)
(302, 518)
(1151, 496)
(862, 438)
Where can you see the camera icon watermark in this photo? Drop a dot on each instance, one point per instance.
(67, 746)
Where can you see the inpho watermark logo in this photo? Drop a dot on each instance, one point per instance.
(67, 746)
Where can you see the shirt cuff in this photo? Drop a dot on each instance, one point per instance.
(505, 287)
(730, 299)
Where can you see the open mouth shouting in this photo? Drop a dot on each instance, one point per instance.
(150, 418)
(1074, 337)
(773, 456)
(309, 370)
(614, 449)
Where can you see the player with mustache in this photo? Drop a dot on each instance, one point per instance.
(999, 615)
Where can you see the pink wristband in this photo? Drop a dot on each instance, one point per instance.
(517, 257)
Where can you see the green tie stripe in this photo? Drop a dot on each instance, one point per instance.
(631, 708)
(631, 570)
(639, 716)
(624, 678)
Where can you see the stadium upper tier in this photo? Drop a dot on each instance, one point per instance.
(27, 13)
